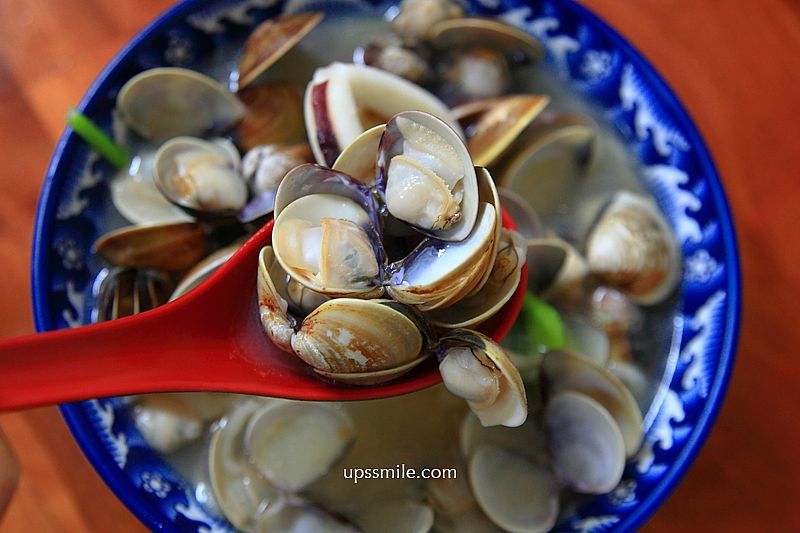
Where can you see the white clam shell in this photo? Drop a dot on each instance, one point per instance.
(566, 371)
(238, 489)
(515, 493)
(586, 445)
(167, 102)
(136, 197)
(294, 444)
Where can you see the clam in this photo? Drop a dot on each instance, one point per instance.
(136, 197)
(162, 103)
(327, 243)
(479, 54)
(587, 448)
(403, 516)
(420, 157)
(551, 159)
(475, 368)
(416, 17)
(265, 166)
(270, 41)
(515, 44)
(493, 125)
(392, 56)
(200, 177)
(556, 270)
(514, 492)
(129, 291)
(293, 444)
(166, 247)
(357, 160)
(437, 272)
(501, 285)
(360, 341)
(238, 488)
(344, 100)
(632, 249)
(565, 371)
(169, 421)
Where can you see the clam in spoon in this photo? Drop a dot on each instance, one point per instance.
(211, 339)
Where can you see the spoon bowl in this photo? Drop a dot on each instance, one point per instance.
(210, 339)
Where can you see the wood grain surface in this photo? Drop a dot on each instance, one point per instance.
(735, 64)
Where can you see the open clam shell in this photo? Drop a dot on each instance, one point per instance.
(420, 156)
(487, 192)
(565, 371)
(552, 158)
(129, 291)
(167, 102)
(493, 125)
(469, 32)
(477, 369)
(515, 493)
(237, 487)
(358, 159)
(343, 100)
(500, 287)
(586, 445)
(200, 177)
(293, 444)
(308, 179)
(136, 197)
(556, 270)
(270, 41)
(348, 338)
(632, 248)
(327, 242)
(170, 247)
(436, 271)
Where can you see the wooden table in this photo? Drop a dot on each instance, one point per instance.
(736, 66)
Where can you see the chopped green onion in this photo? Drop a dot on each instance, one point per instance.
(98, 140)
(545, 329)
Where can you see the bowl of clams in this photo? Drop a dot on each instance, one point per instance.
(504, 190)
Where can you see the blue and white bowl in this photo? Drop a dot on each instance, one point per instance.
(596, 62)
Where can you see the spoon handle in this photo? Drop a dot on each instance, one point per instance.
(170, 348)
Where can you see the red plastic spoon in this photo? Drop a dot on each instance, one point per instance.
(211, 339)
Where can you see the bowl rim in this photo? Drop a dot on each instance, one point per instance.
(120, 483)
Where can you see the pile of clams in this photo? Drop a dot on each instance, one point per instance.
(387, 178)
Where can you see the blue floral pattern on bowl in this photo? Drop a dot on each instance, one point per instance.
(596, 62)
